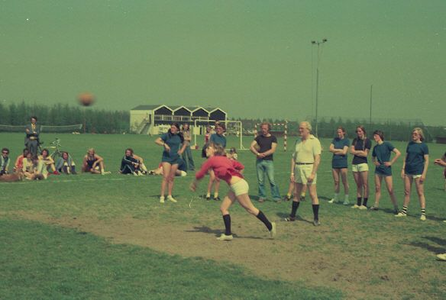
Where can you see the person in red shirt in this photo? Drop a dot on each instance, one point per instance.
(230, 171)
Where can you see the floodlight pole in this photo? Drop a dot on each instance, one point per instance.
(319, 45)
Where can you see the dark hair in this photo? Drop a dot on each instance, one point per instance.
(129, 149)
(342, 128)
(180, 134)
(362, 128)
(379, 133)
(232, 150)
(34, 117)
(25, 152)
(45, 150)
(222, 125)
(5, 149)
(63, 152)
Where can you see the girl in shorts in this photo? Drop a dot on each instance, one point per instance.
(229, 171)
(383, 168)
(414, 169)
(339, 148)
(173, 146)
(360, 148)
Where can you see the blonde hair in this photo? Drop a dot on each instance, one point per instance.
(219, 150)
(420, 132)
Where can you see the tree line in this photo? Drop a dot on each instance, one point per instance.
(95, 120)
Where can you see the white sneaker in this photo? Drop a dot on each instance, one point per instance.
(162, 199)
(331, 201)
(400, 214)
(170, 198)
(363, 207)
(355, 206)
(183, 173)
(346, 202)
(273, 230)
(224, 237)
(441, 256)
(423, 218)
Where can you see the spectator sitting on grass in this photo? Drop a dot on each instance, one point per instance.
(48, 161)
(132, 164)
(65, 164)
(4, 162)
(18, 166)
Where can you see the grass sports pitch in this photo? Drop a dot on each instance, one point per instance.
(101, 237)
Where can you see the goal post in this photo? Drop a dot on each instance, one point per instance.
(232, 128)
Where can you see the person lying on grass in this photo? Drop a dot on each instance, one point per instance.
(230, 171)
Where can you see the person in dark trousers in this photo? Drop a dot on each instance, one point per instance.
(32, 140)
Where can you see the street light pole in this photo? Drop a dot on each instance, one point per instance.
(318, 43)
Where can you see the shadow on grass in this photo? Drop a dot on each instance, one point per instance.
(434, 249)
(282, 217)
(435, 239)
(205, 229)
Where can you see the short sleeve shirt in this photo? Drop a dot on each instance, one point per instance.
(265, 144)
(305, 151)
(382, 154)
(415, 153)
(361, 145)
(218, 139)
(174, 142)
(339, 161)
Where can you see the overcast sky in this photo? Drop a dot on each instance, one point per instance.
(251, 58)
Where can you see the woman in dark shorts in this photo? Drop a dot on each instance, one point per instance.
(339, 148)
(414, 169)
(173, 146)
(360, 148)
(230, 171)
(383, 168)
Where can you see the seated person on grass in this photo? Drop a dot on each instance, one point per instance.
(48, 161)
(65, 164)
(132, 164)
(93, 163)
(4, 162)
(181, 171)
(18, 166)
(36, 170)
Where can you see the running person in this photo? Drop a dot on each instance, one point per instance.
(173, 146)
(339, 148)
(383, 168)
(229, 171)
(360, 148)
(216, 138)
(304, 165)
(415, 166)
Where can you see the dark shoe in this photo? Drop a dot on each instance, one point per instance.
(286, 198)
(290, 219)
(208, 198)
(217, 199)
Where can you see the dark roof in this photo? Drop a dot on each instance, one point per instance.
(173, 107)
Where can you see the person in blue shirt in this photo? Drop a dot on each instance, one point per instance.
(339, 148)
(383, 168)
(173, 146)
(219, 139)
(414, 169)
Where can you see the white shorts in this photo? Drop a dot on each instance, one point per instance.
(414, 176)
(360, 168)
(302, 172)
(240, 188)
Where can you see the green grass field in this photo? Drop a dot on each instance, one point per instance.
(102, 237)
